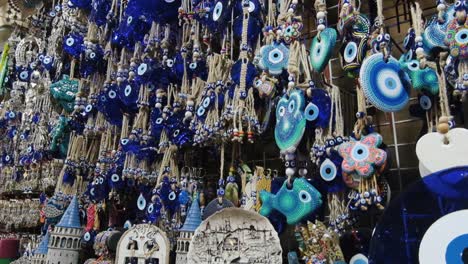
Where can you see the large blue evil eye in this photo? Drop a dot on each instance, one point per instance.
(311, 112)
(385, 85)
(446, 240)
(360, 152)
(328, 170)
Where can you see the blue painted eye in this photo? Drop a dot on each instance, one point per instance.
(89, 108)
(409, 55)
(141, 202)
(115, 178)
(359, 259)
(129, 20)
(172, 196)
(311, 112)
(193, 65)
(127, 224)
(328, 170)
(159, 121)
(275, 56)
(291, 106)
(281, 111)
(413, 65)
(87, 237)
(176, 133)
(101, 180)
(206, 102)
(70, 41)
(387, 37)
(128, 90)
(218, 11)
(112, 94)
(350, 52)
(304, 196)
(24, 75)
(124, 141)
(425, 102)
(360, 152)
(462, 37)
(142, 68)
(11, 115)
(201, 111)
(150, 209)
(91, 191)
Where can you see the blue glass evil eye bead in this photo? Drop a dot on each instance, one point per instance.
(72, 44)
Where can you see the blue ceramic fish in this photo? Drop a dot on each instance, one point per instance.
(296, 203)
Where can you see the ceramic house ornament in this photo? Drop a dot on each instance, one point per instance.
(235, 235)
(143, 244)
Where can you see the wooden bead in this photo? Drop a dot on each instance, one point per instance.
(443, 128)
(444, 119)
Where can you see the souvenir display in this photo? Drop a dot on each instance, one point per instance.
(235, 235)
(222, 131)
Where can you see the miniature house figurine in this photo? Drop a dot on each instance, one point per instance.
(143, 244)
(64, 242)
(192, 222)
(40, 254)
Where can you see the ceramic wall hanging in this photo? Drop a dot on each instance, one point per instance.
(235, 236)
(143, 243)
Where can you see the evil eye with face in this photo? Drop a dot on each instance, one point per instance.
(274, 58)
(382, 41)
(461, 5)
(72, 44)
(24, 74)
(290, 120)
(97, 189)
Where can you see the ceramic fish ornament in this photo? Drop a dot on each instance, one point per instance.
(296, 203)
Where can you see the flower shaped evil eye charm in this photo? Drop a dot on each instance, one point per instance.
(457, 40)
(291, 31)
(362, 157)
(274, 58)
(290, 121)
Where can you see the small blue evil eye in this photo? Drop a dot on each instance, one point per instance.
(231, 179)
(360, 152)
(275, 56)
(172, 196)
(200, 111)
(304, 196)
(87, 237)
(127, 224)
(115, 178)
(425, 102)
(413, 65)
(124, 141)
(23, 75)
(451, 124)
(193, 65)
(170, 63)
(462, 37)
(142, 69)
(89, 108)
(206, 102)
(350, 52)
(150, 209)
(311, 112)
(359, 258)
(328, 170)
(112, 94)
(141, 202)
(220, 192)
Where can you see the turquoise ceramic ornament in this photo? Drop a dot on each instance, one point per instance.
(321, 49)
(435, 32)
(274, 58)
(384, 84)
(296, 203)
(290, 121)
(421, 79)
(64, 92)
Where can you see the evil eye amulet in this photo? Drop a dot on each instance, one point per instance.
(384, 84)
(321, 49)
(274, 58)
(290, 121)
(72, 44)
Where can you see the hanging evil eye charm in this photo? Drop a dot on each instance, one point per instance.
(457, 41)
(321, 49)
(291, 31)
(24, 74)
(318, 110)
(48, 62)
(91, 59)
(409, 41)
(64, 91)
(290, 121)
(219, 14)
(363, 157)
(352, 54)
(128, 92)
(436, 31)
(72, 44)
(109, 104)
(237, 69)
(425, 102)
(84, 4)
(99, 11)
(274, 58)
(384, 84)
(421, 79)
(265, 88)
